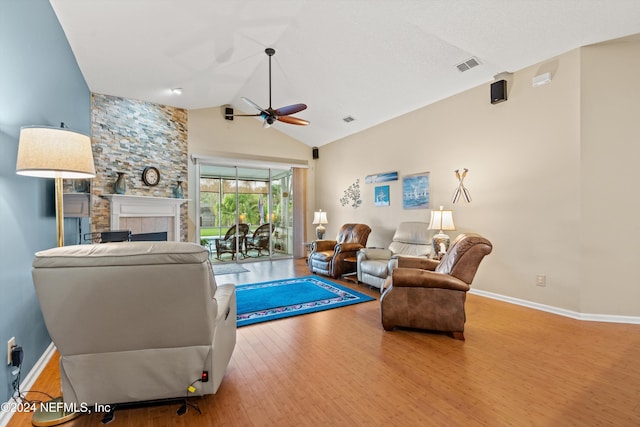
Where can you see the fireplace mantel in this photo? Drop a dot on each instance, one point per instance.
(124, 206)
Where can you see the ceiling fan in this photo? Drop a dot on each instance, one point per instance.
(270, 115)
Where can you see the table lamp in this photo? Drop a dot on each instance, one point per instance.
(58, 153)
(441, 220)
(320, 218)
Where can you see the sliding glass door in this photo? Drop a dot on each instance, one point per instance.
(282, 212)
(245, 213)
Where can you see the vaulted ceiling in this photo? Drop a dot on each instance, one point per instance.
(372, 60)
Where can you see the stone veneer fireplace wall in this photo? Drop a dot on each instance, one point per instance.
(129, 135)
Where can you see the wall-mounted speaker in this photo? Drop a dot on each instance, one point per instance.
(315, 152)
(228, 113)
(498, 91)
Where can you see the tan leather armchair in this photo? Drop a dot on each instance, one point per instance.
(135, 321)
(429, 294)
(376, 264)
(327, 256)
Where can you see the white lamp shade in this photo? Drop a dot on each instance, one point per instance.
(320, 217)
(49, 152)
(441, 220)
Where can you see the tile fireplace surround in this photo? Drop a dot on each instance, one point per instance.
(144, 214)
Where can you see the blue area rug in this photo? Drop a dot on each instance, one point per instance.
(261, 302)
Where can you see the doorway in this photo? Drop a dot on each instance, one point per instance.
(246, 214)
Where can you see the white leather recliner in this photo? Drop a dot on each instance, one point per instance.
(135, 321)
(410, 239)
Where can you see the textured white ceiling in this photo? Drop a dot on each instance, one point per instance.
(370, 59)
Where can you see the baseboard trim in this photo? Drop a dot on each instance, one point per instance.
(30, 379)
(560, 311)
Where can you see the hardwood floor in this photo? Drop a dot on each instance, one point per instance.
(517, 367)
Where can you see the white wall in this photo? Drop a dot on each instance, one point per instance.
(525, 178)
(210, 133)
(523, 161)
(610, 151)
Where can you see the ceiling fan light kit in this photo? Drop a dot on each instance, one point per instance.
(270, 115)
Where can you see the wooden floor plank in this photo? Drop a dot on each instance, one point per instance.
(517, 367)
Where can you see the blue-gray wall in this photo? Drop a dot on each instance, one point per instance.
(40, 84)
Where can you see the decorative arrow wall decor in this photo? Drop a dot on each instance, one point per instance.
(461, 188)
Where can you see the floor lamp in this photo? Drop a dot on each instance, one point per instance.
(58, 153)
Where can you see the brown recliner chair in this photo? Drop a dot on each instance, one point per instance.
(327, 256)
(430, 294)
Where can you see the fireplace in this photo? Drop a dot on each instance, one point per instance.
(142, 214)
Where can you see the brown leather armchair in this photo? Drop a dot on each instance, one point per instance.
(430, 294)
(327, 256)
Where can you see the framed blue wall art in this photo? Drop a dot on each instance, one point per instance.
(415, 191)
(381, 196)
(381, 177)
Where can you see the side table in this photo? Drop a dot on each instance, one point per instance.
(351, 277)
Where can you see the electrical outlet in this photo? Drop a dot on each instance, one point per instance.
(10, 344)
(541, 280)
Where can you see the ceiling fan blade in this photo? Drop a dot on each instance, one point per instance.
(293, 120)
(269, 115)
(254, 105)
(290, 109)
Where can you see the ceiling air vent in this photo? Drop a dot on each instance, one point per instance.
(348, 119)
(468, 64)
